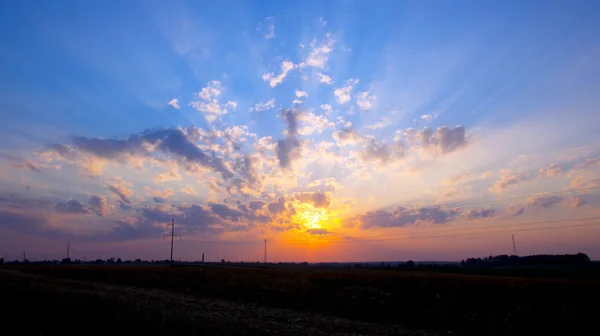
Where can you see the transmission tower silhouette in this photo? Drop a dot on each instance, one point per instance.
(172, 236)
(68, 248)
(514, 245)
(265, 259)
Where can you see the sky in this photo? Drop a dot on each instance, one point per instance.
(336, 130)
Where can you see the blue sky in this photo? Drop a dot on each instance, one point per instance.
(117, 116)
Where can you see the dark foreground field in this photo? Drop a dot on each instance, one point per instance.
(53, 300)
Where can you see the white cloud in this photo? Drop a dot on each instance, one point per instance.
(326, 108)
(301, 94)
(270, 32)
(325, 79)
(188, 190)
(296, 101)
(210, 106)
(342, 95)
(212, 90)
(319, 55)
(211, 109)
(312, 123)
(231, 104)
(365, 101)
(273, 80)
(427, 117)
(383, 122)
(259, 107)
(174, 103)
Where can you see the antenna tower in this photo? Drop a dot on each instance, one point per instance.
(68, 248)
(265, 260)
(514, 245)
(172, 236)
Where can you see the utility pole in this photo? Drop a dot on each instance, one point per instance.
(172, 234)
(265, 260)
(514, 245)
(24, 256)
(68, 248)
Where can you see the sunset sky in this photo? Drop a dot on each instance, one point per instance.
(338, 131)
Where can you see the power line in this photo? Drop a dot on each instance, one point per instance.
(481, 227)
(455, 235)
(475, 203)
(416, 235)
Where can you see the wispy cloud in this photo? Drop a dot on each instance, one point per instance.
(273, 80)
(174, 103)
(265, 106)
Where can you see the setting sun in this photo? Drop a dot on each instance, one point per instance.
(313, 218)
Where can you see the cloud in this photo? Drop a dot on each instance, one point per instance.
(472, 214)
(553, 170)
(544, 201)
(63, 151)
(255, 205)
(319, 232)
(317, 199)
(451, 193)
(270, 32)
(487, 175)
(401, 216)
(364, 100)
(515, 210)
(455, 179)
(225, 211)
(231, 104)
(574, 202)
(383, 122)
(288, 149)
(21, 221)
(212, 91)
(326, 108)
(259, 107)
(444, 140)
(343, 94)
(582, 182)
(188, 190)
(173, 142)
(319, 54)
(120, 188)
(72, 206)
(171, 175)
(273, 80)
(277, 207)
(123, 205)
(325, 79)
(301, 94)
(17, 162)
(509, 180)
(427, 117)
(164, 193)
(174, 103)
(347, 135)
(209, 104)
(381, 152)
(100, 206)
(312, 123)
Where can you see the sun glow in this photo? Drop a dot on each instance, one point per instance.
(313, 218)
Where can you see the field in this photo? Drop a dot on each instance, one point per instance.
(69, 299)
